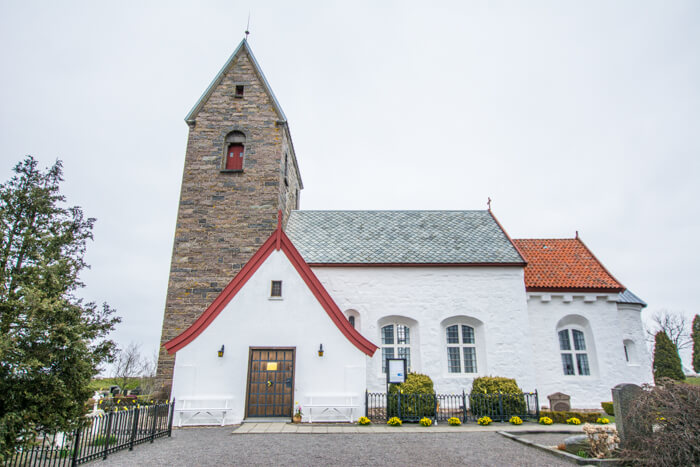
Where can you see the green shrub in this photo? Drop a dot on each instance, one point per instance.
(417, 398)
(608, 408)
(100, 440)
(416, 383)
(491, 393)
(667, 363)
(494, 385)
(562, 417)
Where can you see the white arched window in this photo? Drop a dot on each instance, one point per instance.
(574, 355)
(576, 346)
(396, 343)
(461, 349)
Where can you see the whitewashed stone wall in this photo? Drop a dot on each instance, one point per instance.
(428, 297)
(606, 326)
(253, 319)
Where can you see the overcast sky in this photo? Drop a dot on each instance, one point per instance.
(569, 115)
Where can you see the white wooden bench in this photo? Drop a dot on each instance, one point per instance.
(188, 409)
(342, 405)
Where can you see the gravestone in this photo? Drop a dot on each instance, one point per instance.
(559, 402)
(623, 395)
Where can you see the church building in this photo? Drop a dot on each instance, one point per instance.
(269, 306)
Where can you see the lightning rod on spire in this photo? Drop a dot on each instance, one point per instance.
(247, 27)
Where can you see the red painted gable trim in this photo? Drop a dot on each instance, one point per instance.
(278, 240)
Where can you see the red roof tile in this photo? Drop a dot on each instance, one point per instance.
(563, 264)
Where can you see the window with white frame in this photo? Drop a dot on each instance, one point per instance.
(574, 356)
(461, 349)
(396, 343)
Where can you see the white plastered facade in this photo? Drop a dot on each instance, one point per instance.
(607, 327)
(515, 331)
(491, 300)
(254, 319)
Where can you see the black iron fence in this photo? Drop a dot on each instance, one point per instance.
(441, 407)
(100, 436)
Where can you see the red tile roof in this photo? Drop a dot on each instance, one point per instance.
(561, 264)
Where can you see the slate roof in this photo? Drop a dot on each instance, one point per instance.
(628, 297)
(403, 237)
(564, 264)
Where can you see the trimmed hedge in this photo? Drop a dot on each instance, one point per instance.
(491, 393)
(562, 417)
(608, 408)
(495, 384)
(417, 398)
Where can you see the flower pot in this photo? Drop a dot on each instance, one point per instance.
(296, 419)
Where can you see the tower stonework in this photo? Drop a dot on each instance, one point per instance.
(225, 213)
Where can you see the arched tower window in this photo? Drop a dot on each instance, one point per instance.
(235, 148)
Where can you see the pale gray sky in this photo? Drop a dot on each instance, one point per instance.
(570, 115)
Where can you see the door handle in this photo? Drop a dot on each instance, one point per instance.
(269, 384)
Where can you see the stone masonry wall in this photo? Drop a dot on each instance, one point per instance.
(224, 217)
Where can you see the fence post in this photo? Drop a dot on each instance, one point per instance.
(435, 399)
(76, 444)
(366, 403)
(134, 426)
(500, 406)
(464, 407)
(155, 418)
(537, 405)
(109, 433)
(172, 414)
(398, 408)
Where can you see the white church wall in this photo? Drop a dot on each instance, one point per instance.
(605, 329)
(491, 299)
(253, 319)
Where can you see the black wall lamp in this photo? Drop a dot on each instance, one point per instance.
(220, 352)
(320, 350)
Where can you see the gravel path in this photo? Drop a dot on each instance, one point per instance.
(217, 446)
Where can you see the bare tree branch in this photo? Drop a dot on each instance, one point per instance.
(674, 324)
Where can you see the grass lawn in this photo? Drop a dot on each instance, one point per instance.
(98, 384)
(695, 380)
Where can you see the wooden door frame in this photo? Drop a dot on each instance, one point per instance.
(251, 349)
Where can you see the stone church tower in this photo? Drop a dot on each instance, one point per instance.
(240, 169)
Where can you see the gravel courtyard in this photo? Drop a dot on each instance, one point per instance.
(217, 446)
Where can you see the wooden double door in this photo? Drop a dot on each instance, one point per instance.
(270, 382)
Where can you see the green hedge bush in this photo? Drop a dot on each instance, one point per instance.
(484, 397)
(494, 385)
(562, 417)
(417, 398)
(608, 408)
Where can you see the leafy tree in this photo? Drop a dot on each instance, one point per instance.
(667, 363)
(696, 343)
(51, 342)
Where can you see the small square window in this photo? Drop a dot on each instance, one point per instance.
(239, 90)
(276, 289)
